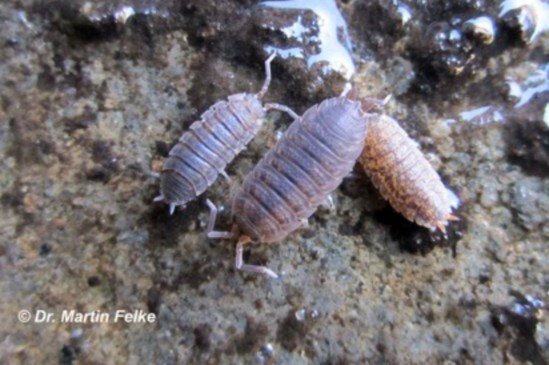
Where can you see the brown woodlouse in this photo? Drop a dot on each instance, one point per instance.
(404, 177)
(211, 143)
(289, 183)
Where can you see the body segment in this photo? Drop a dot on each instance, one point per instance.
(404, 177)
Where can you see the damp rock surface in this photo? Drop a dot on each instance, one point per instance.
(94, 94)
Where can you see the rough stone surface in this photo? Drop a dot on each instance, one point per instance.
(92, 97)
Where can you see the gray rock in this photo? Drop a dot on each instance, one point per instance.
(93, 95)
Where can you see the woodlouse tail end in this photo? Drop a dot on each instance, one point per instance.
(160, 199)
(441, 225)
(172, 208)
(452, 217)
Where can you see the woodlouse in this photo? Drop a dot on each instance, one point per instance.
(404, 177)
(286, 187)
(212, 142)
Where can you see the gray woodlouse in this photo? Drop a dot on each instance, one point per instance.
(211, 143)
(404, 177)
(296, 175)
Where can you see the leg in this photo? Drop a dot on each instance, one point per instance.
(328, 203)
(386, 100)
(267, 81)
(282, 108)
(352, 175)
(239, 262)
(211, 223)
(224, 174)
(172, 208)
(304, 223)
(272, 139)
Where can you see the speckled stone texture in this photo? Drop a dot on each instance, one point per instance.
(93, 95)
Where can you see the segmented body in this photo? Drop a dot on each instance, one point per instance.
(404, 177)
(204, 151)
(300, 171)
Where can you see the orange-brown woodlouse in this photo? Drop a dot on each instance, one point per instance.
(203, 152)
(404, 177)
(286, 187)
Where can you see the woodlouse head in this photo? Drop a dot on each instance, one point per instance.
(367, 104)
(353, 126)
(252, 103)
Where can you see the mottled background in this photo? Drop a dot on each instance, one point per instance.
(93, 95)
